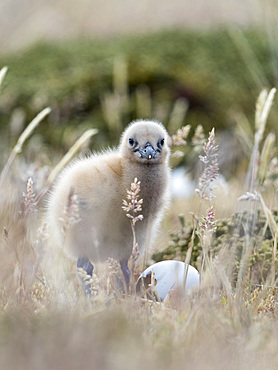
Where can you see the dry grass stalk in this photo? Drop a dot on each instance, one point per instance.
(181, 135)
(70, 154)
(115, 104)
(29, 199)
(91, 280)
(133, 206)
(65, 160)
(274, 231)
(255, 177)
(205, 228)
(271, 179)
(70, 213)
(244, 132)
(266, 156)
(148, 291)
(143, 101)
(250, 59)
(115, 278)
(263, 107)
(211, 169)
(198, 139)
(120, 76)
(3, 73)
(23, 137)
(178, 114)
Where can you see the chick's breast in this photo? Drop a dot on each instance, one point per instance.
(102, 229)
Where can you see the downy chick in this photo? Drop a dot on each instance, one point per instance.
(100, 183)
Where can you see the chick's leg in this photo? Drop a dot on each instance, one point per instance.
(126, 272)
(86, 265)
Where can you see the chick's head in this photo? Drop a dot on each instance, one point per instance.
(145, 142)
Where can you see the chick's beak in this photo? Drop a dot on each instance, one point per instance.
(148, 151)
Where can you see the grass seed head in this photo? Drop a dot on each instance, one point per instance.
(29, 198)
(133, 205)
(180, 137)
(71, 212)
(211, 169)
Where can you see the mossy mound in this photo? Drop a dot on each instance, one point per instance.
(235, 234)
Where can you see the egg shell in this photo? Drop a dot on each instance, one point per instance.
(170, 276)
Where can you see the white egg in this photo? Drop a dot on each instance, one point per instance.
(170, 276)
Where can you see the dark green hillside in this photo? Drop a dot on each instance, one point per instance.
(73, 77)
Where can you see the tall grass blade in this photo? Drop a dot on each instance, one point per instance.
(70, 154)
(3, 73)
(23, 137)
(249, 57)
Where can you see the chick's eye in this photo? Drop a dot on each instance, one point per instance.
(160, 143)
(131, 142)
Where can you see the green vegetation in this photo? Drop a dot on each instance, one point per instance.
(231, 236)
(76, 80)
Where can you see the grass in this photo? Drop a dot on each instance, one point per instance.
(47, 322)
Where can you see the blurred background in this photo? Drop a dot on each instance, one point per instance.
(102, 64)
(24, 22)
